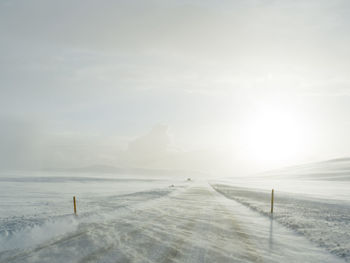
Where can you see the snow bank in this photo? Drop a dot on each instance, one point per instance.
(323, 222)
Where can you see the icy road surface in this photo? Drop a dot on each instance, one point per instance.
(192, 223)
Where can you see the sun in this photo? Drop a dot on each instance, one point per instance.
(272, 136)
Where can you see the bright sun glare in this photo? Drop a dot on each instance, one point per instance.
(272, 137)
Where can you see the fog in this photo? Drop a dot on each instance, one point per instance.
(229, 87)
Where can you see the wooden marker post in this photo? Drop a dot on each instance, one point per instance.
(272, 197)
(75, 206)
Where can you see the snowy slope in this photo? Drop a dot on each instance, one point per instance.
(312, 199)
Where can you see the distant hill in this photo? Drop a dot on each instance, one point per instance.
(106, 169)
(96, 169)
(344, 159)
(334, 169)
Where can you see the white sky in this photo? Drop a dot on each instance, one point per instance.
(240, 85)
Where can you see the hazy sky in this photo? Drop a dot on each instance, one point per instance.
(208, 85)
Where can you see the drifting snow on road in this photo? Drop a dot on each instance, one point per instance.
(186, 223)
(311, 199)
(324, 222)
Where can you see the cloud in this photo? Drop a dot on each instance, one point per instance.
(149, 148)
(96, 70)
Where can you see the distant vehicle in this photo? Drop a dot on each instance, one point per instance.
(189, 179)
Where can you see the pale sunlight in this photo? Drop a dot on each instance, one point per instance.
(273, 136)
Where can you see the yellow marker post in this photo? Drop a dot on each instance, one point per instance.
(75, 206)
(272, 197)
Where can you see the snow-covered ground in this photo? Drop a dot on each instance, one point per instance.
(140, 219)
(313, 200)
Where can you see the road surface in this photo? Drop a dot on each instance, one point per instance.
(189, 224)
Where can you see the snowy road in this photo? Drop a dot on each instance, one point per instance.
(189, 224)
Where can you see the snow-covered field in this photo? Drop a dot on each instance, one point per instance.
(146, 219)
(313, 200)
